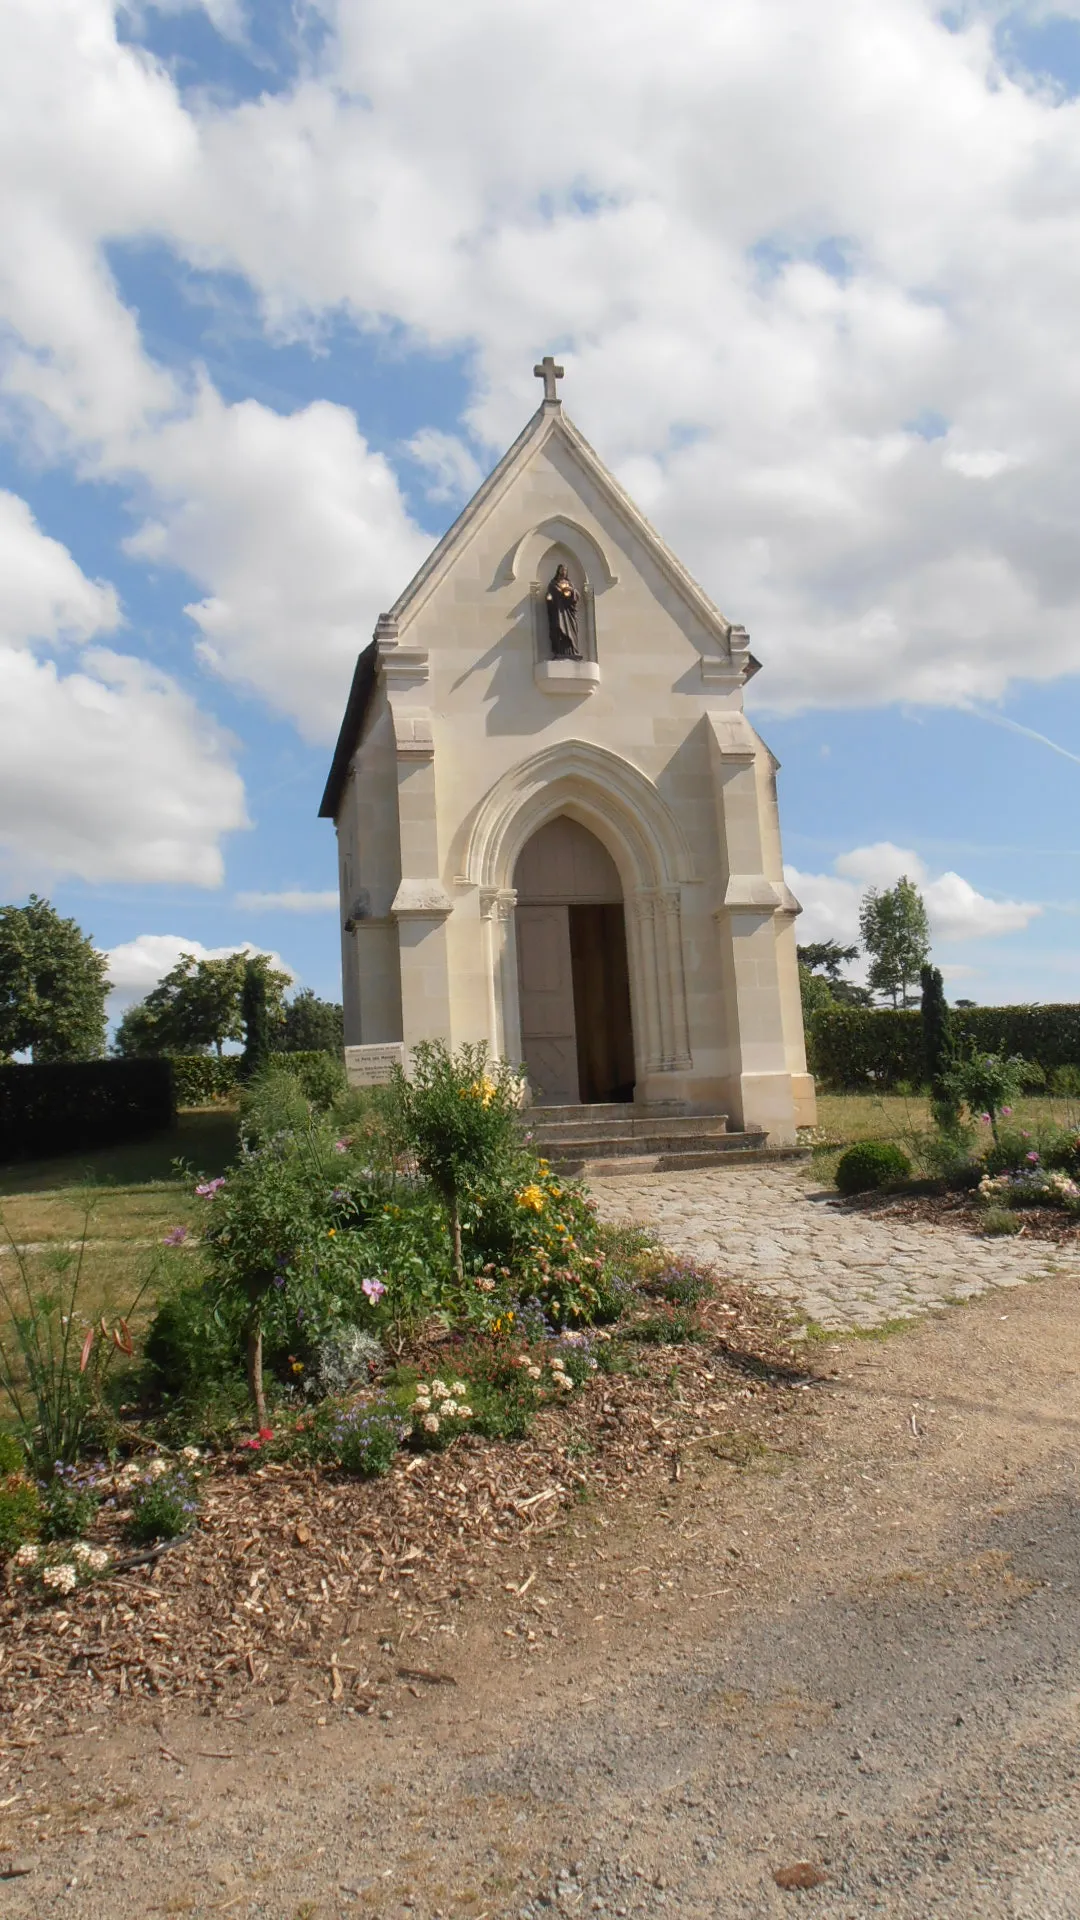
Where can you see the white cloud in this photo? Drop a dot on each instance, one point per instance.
(770, 241)
(454, 472)
(107, 771)
(290, 900)
(136, 966)
(955, 909)
(299, 533)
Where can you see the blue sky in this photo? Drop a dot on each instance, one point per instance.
(273, 299)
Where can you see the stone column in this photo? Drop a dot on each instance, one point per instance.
(500, 951)
(644, 920)
(677, 1051)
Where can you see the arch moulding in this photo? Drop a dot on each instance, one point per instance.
(617, 802)
(525, 557)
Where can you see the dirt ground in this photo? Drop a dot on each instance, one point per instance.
(856, 1652)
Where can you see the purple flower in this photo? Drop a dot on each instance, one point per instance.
(176, 1236)
(208, 1188)
(373, 1288)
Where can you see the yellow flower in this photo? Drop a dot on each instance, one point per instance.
(330, 1232)
(531, 1196)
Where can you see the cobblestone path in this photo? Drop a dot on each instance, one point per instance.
(774, 1227)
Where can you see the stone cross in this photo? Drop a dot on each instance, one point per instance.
(549, 373)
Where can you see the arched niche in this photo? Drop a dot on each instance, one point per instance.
(558, 554)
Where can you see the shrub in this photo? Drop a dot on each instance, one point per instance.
(200, 1078)
(345, 1357)
(504, 1389)
(69, 1508)
(439, 1413)
(988, 1083)
(65, 1108)
(194, 1341)
(683, 1285)
(20, 1512)
(998, 1220)
(458, 1113)
(362, 1438)
(12, 1454)
(164, 1505)
(856, 1047)
(871, 1164)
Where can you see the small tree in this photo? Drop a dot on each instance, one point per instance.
(896, 933)
(987, 1083)
(53, 984)
(820, 962)
(310, 1025)
(939, 1049)
(457, 1113)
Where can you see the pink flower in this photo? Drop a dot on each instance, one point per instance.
(341, 1146)
(176, 1236)
(208, 1188)
(1032, 1156)
(985, 1118)
(1006, 1110)
(373, 1288)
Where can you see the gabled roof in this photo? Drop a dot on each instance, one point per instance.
(548, 421)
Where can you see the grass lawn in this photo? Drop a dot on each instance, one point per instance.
(124, 1198)
(846, 1117)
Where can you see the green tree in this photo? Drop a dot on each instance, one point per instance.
(939, 1049)
(196, 1006)
(896, 934)
(255, 1013)
(310, 1025)
(820, 962)
(53, 984)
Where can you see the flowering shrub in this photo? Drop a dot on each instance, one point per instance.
(69, 1504)
(1029, 1186)
(361, 1437)
(164, 1503)
(439, 1413)
(58, 1571)
(457, 1112)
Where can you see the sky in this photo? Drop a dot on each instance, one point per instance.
(275, 276)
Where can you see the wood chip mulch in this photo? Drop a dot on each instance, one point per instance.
(959, 1210)
(296, 1581)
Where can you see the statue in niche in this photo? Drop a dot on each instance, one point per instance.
(562, 613)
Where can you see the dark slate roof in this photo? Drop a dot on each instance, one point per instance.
(363, 682)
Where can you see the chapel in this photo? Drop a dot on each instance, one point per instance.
(557, 830)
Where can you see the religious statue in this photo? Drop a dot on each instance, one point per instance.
(562, 613)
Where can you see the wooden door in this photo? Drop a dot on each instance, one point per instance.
(602, 1003)
(546, 986)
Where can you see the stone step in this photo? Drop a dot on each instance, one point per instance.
(632, 1127)
(680, 1162)
(619, 1146)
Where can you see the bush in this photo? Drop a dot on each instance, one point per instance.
(362, 1438)
(998, 1220)
(871, 1164)
(344, 1358)
(200, 1078)
(68, 1508)
(193, 1341)
(164, 1505)
(857, 1047)
(12, 1455)
(70, 1107)
(20, 1512)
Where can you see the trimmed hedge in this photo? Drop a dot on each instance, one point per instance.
(201, 1078)
(73, 1105)
(856, 1047)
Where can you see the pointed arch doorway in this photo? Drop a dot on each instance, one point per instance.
(577, 1036)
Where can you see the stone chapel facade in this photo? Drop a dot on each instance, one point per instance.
(576, 860)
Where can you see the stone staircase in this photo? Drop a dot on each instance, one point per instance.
(621, 1138)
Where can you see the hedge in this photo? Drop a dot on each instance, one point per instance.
(202, 1077)
(854, 1047)
(71, 1106)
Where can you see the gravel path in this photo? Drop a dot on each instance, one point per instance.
(845, 1271)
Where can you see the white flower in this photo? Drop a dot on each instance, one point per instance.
(562, 1381)
(430, 1423)
(440, 1389)
(464, 1413)
(190, 1453)
(421, 1404)
(62, 1579)
(96, 1559)
(449, 1408)
(459, 1386)
(157, 1467)
(28, 1556)
(534, 1373)
(80, 1550)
